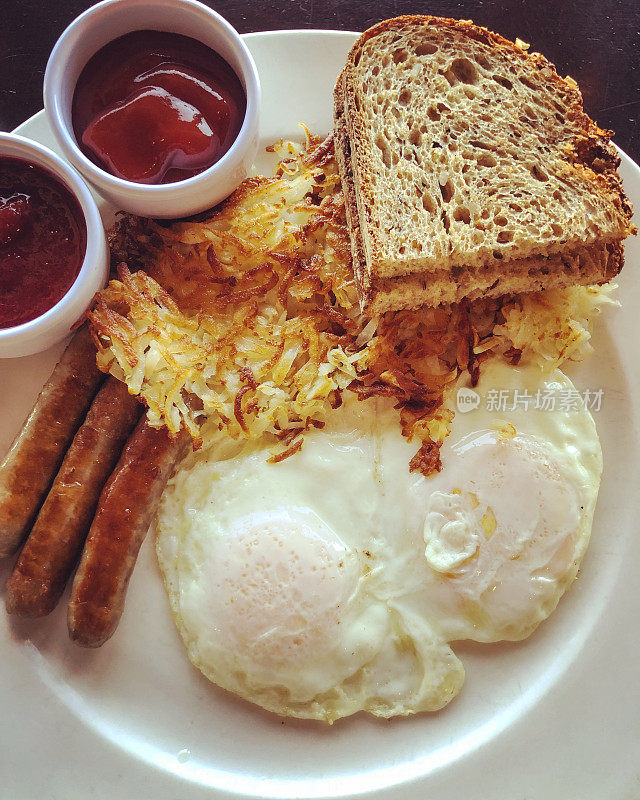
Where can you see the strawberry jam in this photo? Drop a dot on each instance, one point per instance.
(43, 238)
(156, 107)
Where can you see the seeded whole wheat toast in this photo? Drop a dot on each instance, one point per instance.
(469, 168)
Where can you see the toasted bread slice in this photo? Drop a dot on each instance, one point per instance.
(585, 266)
(469, 154)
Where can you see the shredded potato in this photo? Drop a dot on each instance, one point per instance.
(555, 326)
(246, 323)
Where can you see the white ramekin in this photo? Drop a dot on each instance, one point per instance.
(113, 18)
(52, 326)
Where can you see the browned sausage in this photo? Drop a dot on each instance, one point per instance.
(125, 510)
(55, 542)
(35, 456)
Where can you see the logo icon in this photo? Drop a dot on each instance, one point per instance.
(467, 400)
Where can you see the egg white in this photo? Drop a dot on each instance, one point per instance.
(536, 473)
(333, 581)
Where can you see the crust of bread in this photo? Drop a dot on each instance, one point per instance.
(342, 151)
(590, 154)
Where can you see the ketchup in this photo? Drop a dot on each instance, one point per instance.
(43, 237)
(155, 107)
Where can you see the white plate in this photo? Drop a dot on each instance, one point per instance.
(555, 717)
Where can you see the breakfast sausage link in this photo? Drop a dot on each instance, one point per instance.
(56, 539)
(125, 511)
(35, 456)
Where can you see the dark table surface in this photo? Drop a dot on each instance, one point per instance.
(595, 41)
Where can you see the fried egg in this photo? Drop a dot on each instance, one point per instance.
(335, 581)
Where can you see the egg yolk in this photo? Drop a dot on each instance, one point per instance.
(282, 581)
(507, 537)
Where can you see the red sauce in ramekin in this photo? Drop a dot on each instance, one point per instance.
(155, 107)
(43, 238)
